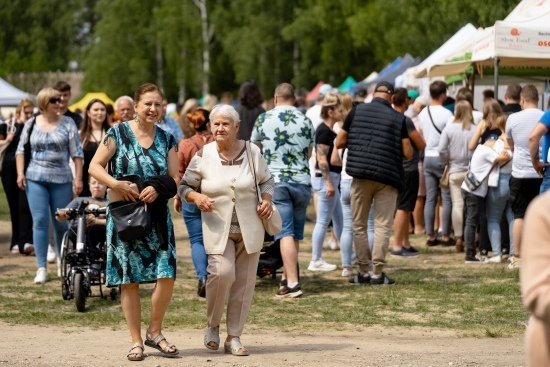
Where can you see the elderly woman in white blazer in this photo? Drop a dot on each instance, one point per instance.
(220, 182)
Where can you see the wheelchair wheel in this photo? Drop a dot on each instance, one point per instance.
(65, 268)
(113, 294)
(79, 292)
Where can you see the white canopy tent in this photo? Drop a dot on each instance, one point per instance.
(11, 96)
(522, 39)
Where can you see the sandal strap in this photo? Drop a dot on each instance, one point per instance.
(168, 347)
(156, 339)
(134, 346)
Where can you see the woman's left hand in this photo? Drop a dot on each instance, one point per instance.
(77, 186)
(265, 210)
(148, 195)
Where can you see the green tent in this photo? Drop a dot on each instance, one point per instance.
(346, 86)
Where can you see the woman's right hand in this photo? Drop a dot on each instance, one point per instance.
(204, 203)
(21, 181)
(125, 191)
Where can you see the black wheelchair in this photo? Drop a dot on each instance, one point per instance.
(83, 257)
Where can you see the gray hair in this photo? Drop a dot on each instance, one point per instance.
(225, 110)
(128, 98)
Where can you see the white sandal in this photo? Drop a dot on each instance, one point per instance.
(234, 347)
(212, 334)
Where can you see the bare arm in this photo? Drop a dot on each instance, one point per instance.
(322, 160)
(97, 169)
(534, 141)
(417, 140)
(474, 141)
(77, 181)
(342, 139)
(335, 158)
(407, 148)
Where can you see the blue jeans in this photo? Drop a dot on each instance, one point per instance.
(433, 170)
(292, 201)
(346, 240)
(44, 199)
(193, 222)
(327, 208)
(545, 186)
(497, 203)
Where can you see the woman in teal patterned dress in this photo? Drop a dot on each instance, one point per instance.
(144, 260)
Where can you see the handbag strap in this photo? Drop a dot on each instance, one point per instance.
(252, 168)
(432, 120)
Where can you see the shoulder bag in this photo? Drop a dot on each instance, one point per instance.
(132, 219)
(444, 181)
(274, 224)
(27, 145)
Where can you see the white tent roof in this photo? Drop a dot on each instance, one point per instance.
(11, 96)
(458, 44)
(520, 40)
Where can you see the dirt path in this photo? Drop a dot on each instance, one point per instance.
(55, 346)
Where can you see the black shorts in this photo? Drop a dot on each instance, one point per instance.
(522, 191)
(407, 198)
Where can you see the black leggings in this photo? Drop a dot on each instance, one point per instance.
(21, 218)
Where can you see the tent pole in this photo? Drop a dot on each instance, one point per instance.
(497, 61)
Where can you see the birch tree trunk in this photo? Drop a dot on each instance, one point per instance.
(207, 33)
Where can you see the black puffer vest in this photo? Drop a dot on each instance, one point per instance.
(374, 144)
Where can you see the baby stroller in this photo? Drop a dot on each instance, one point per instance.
(270, 258)
(82, 262)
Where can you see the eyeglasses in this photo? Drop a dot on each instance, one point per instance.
(384, 91)
(55, 100)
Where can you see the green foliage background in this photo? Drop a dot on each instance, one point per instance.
(119, 44)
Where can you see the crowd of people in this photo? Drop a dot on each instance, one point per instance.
(374, 164)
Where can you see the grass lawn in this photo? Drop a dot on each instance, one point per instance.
(436, 290)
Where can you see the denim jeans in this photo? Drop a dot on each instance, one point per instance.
(497, 203)
(193, 222)
(545, 186)
(44, 199)
(327, 209)
(292, 200)
(346, 240)
(433, 170)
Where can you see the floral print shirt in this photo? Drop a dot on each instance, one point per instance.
(286, 135)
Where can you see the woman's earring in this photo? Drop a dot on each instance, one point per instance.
(136, 119)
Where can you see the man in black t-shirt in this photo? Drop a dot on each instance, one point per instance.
(377, 141)
(64, 90)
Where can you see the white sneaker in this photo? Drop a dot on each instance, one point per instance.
(58, 267)
(349, 273)
(320, 265)
(28, 249)
(52, 254)
(495, 259)
(333, 245)
(41, 276)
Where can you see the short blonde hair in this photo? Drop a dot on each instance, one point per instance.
(44, 96)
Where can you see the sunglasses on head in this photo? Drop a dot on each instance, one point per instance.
(384, 91)
(55, 100)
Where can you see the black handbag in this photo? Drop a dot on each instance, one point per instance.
(132, 220)
(27, 146)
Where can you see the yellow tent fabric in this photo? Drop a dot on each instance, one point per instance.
(83, 103)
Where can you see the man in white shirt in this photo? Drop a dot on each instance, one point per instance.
(525, 182)
(433, 119)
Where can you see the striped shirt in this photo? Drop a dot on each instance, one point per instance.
(518, 128)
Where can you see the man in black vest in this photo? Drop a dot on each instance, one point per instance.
(377, 141)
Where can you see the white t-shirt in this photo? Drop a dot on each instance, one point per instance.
(480, 165)
(314, 114)
(518, 128)
(440, 116)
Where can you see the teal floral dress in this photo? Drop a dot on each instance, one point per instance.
(139, 261)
